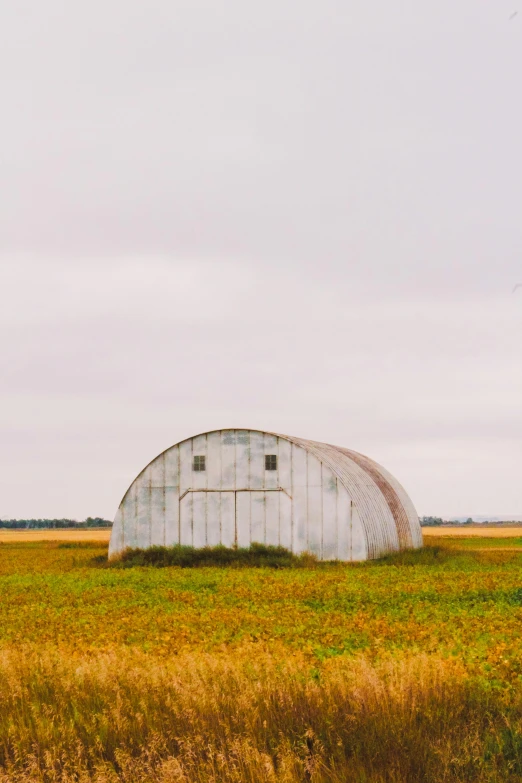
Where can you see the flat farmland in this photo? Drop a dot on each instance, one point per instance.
(403, 670)
(103, 534)
(88, 534)
(470, 531)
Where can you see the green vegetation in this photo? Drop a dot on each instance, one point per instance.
(257, 556)
(405, 669)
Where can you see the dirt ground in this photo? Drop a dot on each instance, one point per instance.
(90, 534)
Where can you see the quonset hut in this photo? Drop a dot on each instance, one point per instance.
(236, 487)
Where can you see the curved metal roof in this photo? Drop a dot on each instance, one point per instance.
(387, 514)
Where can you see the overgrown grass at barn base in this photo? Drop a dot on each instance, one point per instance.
(402, 670)
(257, 556)
(263, 556)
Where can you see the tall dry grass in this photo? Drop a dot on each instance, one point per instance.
(250, 718)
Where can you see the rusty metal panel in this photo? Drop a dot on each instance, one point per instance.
(407, 505)
(391, 497)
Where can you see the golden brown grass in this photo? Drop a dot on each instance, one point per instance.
(467, 531)
(128, 717)
(103, 534)
(88, 534)
(404, 670)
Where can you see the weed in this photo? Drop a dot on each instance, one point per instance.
(257, 555)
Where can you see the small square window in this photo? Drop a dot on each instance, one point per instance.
(199, 464)
(270, 461)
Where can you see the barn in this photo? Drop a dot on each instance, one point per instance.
(238, 486)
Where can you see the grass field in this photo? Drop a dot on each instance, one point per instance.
(87, 534)
(406, 669)
(469, 531)
(104, 534)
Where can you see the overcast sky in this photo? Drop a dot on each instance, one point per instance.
(301, 217)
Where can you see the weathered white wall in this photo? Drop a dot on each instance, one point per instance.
(302, 505)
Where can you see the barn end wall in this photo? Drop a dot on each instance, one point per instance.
(302, 505)
(322, 499)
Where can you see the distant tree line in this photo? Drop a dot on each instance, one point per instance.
(437, 521)
(431, 521)
(44, 524)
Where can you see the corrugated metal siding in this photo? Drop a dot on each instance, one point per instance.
(395, 505)
(375, 514)
(374, 518)
(407, 505)
(322, 498)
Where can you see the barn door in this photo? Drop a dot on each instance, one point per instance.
(207, 518)
(265, 516)
(230, 517)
